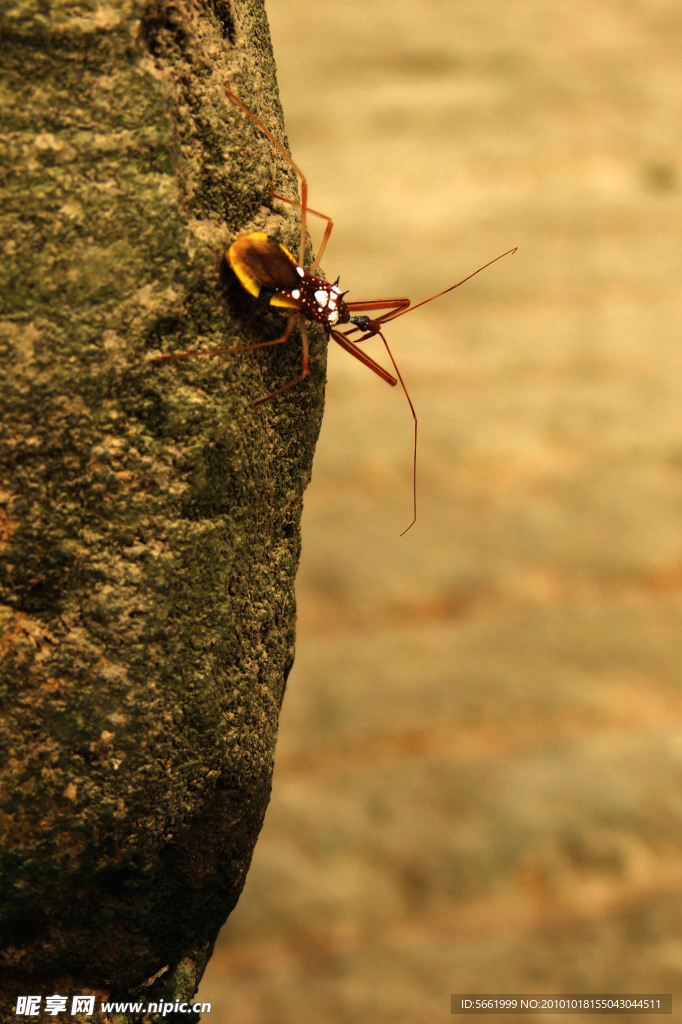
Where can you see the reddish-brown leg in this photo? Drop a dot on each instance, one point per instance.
(248, 348)
(316, 213)
(287, 156)
(349, 346)
(304, 365)
(363, 305)
(394, 307)
(168, 356)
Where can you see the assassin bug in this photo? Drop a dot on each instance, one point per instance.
(271, 274)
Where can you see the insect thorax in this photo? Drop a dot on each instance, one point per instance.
(320, 300)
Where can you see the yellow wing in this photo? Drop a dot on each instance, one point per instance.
(260, 261)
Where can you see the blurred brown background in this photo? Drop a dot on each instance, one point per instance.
(479, 776)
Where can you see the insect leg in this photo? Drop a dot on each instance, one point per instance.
(394, 307)
(287, 156)
(350, 347)
(363, 305)
(316, 213)
(167, 356)
(304, 361)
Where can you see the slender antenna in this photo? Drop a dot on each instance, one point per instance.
(408, 309)
(414, 450)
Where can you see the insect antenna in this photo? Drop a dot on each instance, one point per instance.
(414, 448)
(371, 327)
(408, 309)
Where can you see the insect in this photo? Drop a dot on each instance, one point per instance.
(272, 275)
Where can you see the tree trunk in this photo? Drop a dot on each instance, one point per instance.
(149, 521)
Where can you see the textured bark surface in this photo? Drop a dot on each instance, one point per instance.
(149, 522)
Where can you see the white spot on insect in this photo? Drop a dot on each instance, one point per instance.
(333, 316)
(296, 294)
(336, 290)
(300, 271)
(321, 297)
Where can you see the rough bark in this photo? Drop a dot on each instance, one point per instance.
(149, 521)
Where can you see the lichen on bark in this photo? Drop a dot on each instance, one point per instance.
(149, 521)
